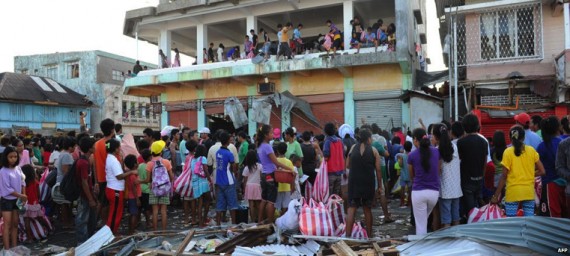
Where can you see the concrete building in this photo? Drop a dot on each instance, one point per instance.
(344, 89)
(100, 76)
(39, 104)
(507, 57)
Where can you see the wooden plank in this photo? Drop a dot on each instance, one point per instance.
(155, 252)
(341, 248)
(377, 249)
(185, 242)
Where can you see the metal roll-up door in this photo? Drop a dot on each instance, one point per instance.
(381, 107)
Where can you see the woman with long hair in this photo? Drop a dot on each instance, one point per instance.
(521, 164)
(450, 191)
(269, 163)
(553, 199)
(424, 166)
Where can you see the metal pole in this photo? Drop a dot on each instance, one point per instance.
(450, 70)
(455, 67)
(137, 39)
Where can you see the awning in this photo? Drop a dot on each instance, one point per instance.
(287, 101)
(429, 78)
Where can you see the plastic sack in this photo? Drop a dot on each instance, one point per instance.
(183, 184)
(315, 219)
(290, 220)
(336, 208)
(359, 232)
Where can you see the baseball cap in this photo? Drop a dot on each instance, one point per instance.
(204, 130)
(157, 147)
(276, 133)
(522, 118)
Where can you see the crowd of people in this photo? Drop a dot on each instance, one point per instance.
(290, 42)
(442, 171)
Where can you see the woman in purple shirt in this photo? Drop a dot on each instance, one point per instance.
(12, 188)
(269, 163)
(423, 166)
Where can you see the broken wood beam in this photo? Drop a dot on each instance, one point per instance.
(341, 248)
(185, 242)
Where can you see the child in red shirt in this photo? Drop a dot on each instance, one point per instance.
(133, 192)
(33, 208)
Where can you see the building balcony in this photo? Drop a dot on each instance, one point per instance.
(343, 61)
(141, 121)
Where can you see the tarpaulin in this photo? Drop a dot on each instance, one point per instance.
(234, 109)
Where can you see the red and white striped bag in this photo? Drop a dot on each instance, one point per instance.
(485, 213)
(315, 219)
(308, 190)
(336, 209)
(321, 185)
(45, 191)
(183, 184)
(359, 232)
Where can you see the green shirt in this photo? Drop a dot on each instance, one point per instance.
(378, 146)
(243, 148)
(142, 176)
(295, 148)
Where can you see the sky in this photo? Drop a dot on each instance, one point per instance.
(40, 27)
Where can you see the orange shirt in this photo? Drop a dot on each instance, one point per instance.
(100, 156)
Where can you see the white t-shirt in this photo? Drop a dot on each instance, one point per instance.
(253, 177)
(54, 156)
(451, 177)
(112, 170)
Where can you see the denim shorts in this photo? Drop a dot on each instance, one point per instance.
(449, 210)
(268, 188)
(226, 198)
(8, 205)
(133, 208)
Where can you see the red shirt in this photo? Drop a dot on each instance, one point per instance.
(83, 172)
(140, 160)
(100, 156)
(129, 185)
(32, 191)
(45, 156)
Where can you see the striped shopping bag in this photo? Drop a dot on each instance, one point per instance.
(45, 191)
(315, 219)
(183, 184)
(321, 184)
(336, 209)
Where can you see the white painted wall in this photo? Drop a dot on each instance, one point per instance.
(430, 111)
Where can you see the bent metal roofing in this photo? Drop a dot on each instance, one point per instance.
(23, 88)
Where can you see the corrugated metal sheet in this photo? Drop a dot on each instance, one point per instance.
(460, 247)
(539, 234)
(387, 113)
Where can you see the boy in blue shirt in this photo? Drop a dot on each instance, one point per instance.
(225, 180)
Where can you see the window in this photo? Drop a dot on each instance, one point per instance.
(508, 34)
(118, 75)
(24, 71)
(73, 70)
(51, 71)
(133, 109)
(124, 110)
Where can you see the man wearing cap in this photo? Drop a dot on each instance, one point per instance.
(205, 138)
(531, 138)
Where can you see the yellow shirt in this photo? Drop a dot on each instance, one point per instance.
(520, 177)
(284, 187)
(284, 35)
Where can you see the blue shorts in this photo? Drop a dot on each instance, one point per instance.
(133, 208)
(511, 208)
(449, 210)
(226, 198)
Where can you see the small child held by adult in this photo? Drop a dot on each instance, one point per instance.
(296, 160)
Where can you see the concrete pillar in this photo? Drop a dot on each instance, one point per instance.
(347, 14)
(202, 37)
(164, 44)
(251, 125)
(201, 115)
(285, 115)
(567, 24)
(349, 113)
(251, 23)
(163, 115)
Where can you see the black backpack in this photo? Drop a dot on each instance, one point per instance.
(70, 186)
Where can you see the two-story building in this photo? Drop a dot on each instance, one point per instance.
(344, 89)
(100, 76)
(507, 57)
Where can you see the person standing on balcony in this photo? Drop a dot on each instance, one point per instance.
(284, 48)
(297, 40)
(176, 62)
(163, 59)
(137, 67)
(247, 46)
(531, 138)
(254, 39)
(211, 57)
(337, 41)
(266, 43)
(221, 52)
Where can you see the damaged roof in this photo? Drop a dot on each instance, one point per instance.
(539, 234)
(23, 88)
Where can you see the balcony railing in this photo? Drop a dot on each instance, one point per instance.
(140, 121)
(498, 34)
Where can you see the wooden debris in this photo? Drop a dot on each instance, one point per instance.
(249, 238)
(341, 248)
(185, 242)
(371, 248)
